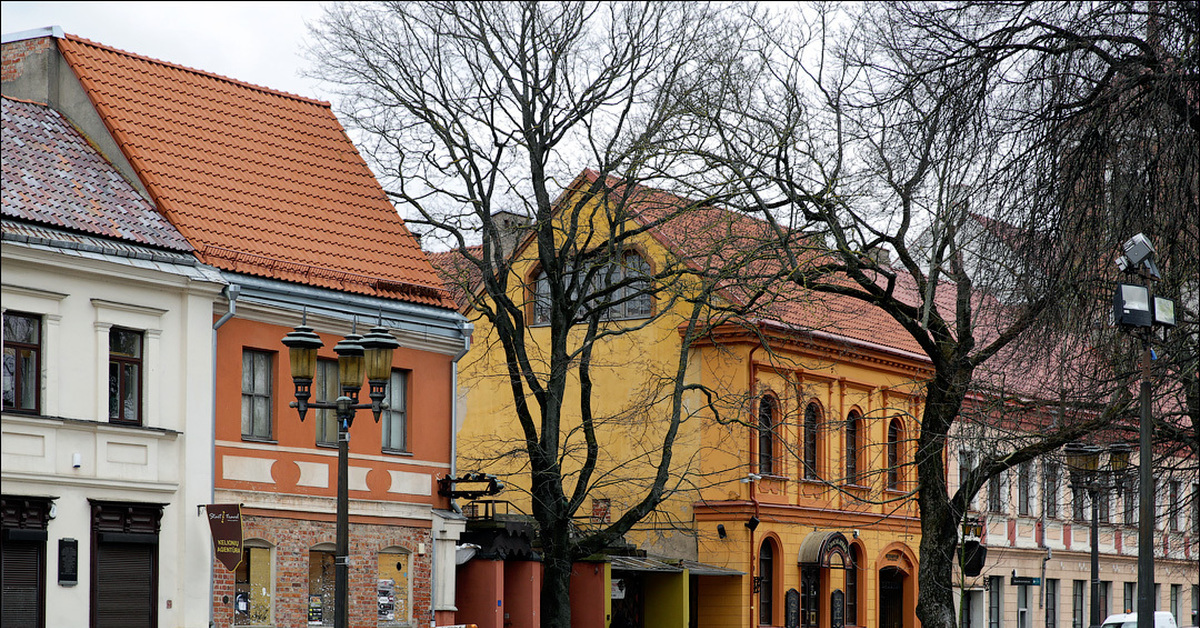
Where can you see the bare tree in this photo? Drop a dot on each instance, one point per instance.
(972, 146)
(467, 109)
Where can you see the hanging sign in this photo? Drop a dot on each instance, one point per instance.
(225, 523)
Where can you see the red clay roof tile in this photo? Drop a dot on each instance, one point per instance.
(259, 181)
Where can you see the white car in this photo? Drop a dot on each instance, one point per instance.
(1162, 619)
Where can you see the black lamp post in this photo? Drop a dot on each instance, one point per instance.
(1086, 474)
(1138, 311)
(356, 354)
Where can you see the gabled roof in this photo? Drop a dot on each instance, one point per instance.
(54, 177)
(259, 181)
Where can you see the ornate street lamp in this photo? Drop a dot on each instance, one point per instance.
(1086, 474)
(356, 354)
(1137, 311)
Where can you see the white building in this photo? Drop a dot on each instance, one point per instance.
(108, 392)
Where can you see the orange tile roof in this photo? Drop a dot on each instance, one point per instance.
(260, 181)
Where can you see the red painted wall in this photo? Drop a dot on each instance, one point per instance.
(428, 416)
(589, 594)
(480, 594)
(522, 594)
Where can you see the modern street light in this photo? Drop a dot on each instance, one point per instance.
(1086, 474)
(1137, 310)
(373, 354)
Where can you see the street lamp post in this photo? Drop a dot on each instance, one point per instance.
(1137, 310)
(372, 353)
(1086, 474)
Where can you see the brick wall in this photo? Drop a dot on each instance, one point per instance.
(291, 541)
(14, 54)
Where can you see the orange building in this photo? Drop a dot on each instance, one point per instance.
(269, 191)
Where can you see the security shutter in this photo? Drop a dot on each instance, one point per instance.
(125, 585)
(22, 569)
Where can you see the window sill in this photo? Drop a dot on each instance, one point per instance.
(326, 445)
(258, 439)
(398, 452)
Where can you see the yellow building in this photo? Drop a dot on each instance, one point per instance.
(788, 490)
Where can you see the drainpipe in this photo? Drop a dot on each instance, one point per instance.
(750, 476)
(466, 328)
(231, 294)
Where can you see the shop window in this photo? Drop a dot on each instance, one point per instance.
(1051, 603)
(256, 394)
(327, 388)
(768, 423)
(853, 426)
(1129, 601)
(395, 418)
(23, 554)
(22, 362)
(124, 376)
(1077, 589)
(1024, 620)
(124, 578)
(995, 601)
(254, 586)
(395, 601)
(320, 588)
(894, 461)
(812, 419)
(766, 583)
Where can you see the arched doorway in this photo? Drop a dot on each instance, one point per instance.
(891, 597)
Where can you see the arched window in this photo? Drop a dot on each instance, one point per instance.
(766, 573)
(893, 455)
(852, 574)
(812, 415)
(853, 424)
(767, 425)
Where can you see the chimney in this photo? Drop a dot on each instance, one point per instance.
(512, 229)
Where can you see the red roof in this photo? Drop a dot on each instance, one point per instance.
(259, 181)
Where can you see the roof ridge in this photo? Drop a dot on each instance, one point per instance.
(213, 75)
(27, 101)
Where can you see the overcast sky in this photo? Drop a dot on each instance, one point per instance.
(256, 42)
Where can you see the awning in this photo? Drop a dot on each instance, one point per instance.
(634, 563)
(825, 548)
(701, 569)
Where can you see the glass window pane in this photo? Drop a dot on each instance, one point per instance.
(247, 421)
(24, 329)
(114, 390)
(10, 376)
(262, 374)
(247, 372)
(131, 385)
(125, 343)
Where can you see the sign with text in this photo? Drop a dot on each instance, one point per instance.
(837, 609)
(1025, 580)
(225, 523)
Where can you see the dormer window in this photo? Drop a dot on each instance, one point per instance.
(632, 299)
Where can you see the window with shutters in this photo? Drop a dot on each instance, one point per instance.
(395, 594)
(254, 585)
(124, 566)
(23, 554)
(22, 362)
